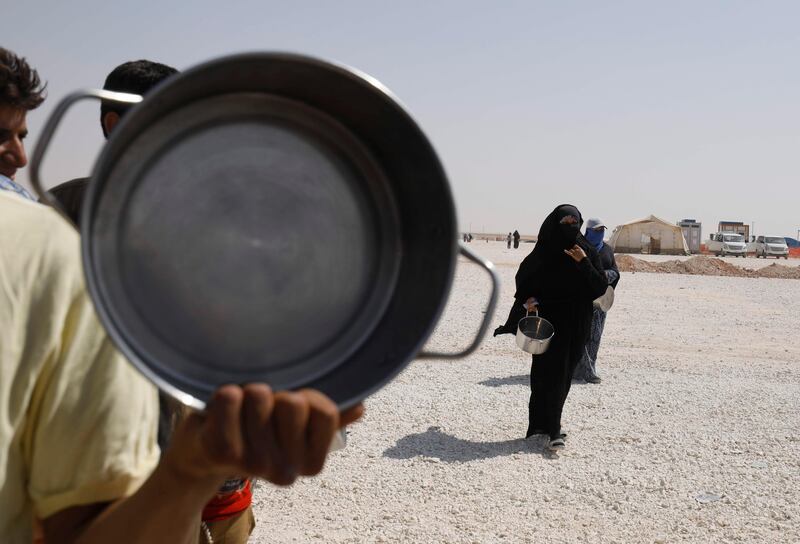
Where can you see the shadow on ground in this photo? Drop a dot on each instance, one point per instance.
(522, 379)
(451, 449)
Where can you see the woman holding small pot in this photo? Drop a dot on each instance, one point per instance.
(560, 278)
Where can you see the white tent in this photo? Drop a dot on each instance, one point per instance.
(649, 235)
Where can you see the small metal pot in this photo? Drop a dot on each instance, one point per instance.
(534, 334)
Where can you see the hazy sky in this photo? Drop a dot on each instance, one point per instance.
(682, 109)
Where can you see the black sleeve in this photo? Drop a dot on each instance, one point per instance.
(527, 278)
(609, 263)
(592, 270)
(527, 288)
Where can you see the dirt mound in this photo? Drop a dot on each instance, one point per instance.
(705, 266)
(710, 266)
(626, 263)
(780, 271)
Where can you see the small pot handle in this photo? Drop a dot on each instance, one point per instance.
(49, 129)
(489, 314)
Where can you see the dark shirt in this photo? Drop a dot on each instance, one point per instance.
(609, 263)
(70, 195)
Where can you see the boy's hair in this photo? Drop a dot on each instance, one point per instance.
(135, 77)
(19, 83)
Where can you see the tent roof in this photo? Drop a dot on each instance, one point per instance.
(650, 219)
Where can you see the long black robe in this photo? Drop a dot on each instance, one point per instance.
(564, 290)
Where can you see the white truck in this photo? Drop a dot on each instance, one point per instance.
(774, 246)
(727, 243)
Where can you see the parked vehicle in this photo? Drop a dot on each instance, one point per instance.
(774, 246)
(727, 243)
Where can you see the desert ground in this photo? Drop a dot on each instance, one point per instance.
(693, 435)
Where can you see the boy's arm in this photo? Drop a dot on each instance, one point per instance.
(248, 431)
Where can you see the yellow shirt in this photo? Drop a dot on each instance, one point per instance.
(77, 421)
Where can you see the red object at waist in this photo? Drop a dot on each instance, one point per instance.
(224, 506)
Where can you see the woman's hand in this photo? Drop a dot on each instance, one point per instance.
(577, 253)
(531, 304)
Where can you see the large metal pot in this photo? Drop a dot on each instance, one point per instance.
(268, 217)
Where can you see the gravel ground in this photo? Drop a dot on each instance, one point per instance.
(691, 437)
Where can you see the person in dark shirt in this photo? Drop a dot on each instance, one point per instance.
(516, 239)
(135, 77)
(228, 517)
(587, 366)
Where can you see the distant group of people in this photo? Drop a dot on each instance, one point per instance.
(78, 443)
(513, 238)
(560, 279)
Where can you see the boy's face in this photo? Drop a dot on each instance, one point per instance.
(13, 130)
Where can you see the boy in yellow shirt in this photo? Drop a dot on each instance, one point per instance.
(78, 423)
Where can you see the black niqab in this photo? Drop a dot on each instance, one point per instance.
(557, 234)
(547, 270)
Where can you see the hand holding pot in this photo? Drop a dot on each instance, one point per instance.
(254, 432)
(531, 304)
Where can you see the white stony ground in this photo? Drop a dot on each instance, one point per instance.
(700, 401)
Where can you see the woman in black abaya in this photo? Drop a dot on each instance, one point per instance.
(561, 277)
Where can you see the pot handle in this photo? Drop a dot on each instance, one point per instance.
(488, 314)
(49, 129)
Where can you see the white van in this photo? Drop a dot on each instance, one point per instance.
(727, 243)
(774, 246)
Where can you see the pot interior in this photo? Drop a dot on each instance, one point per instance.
(247, 229)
